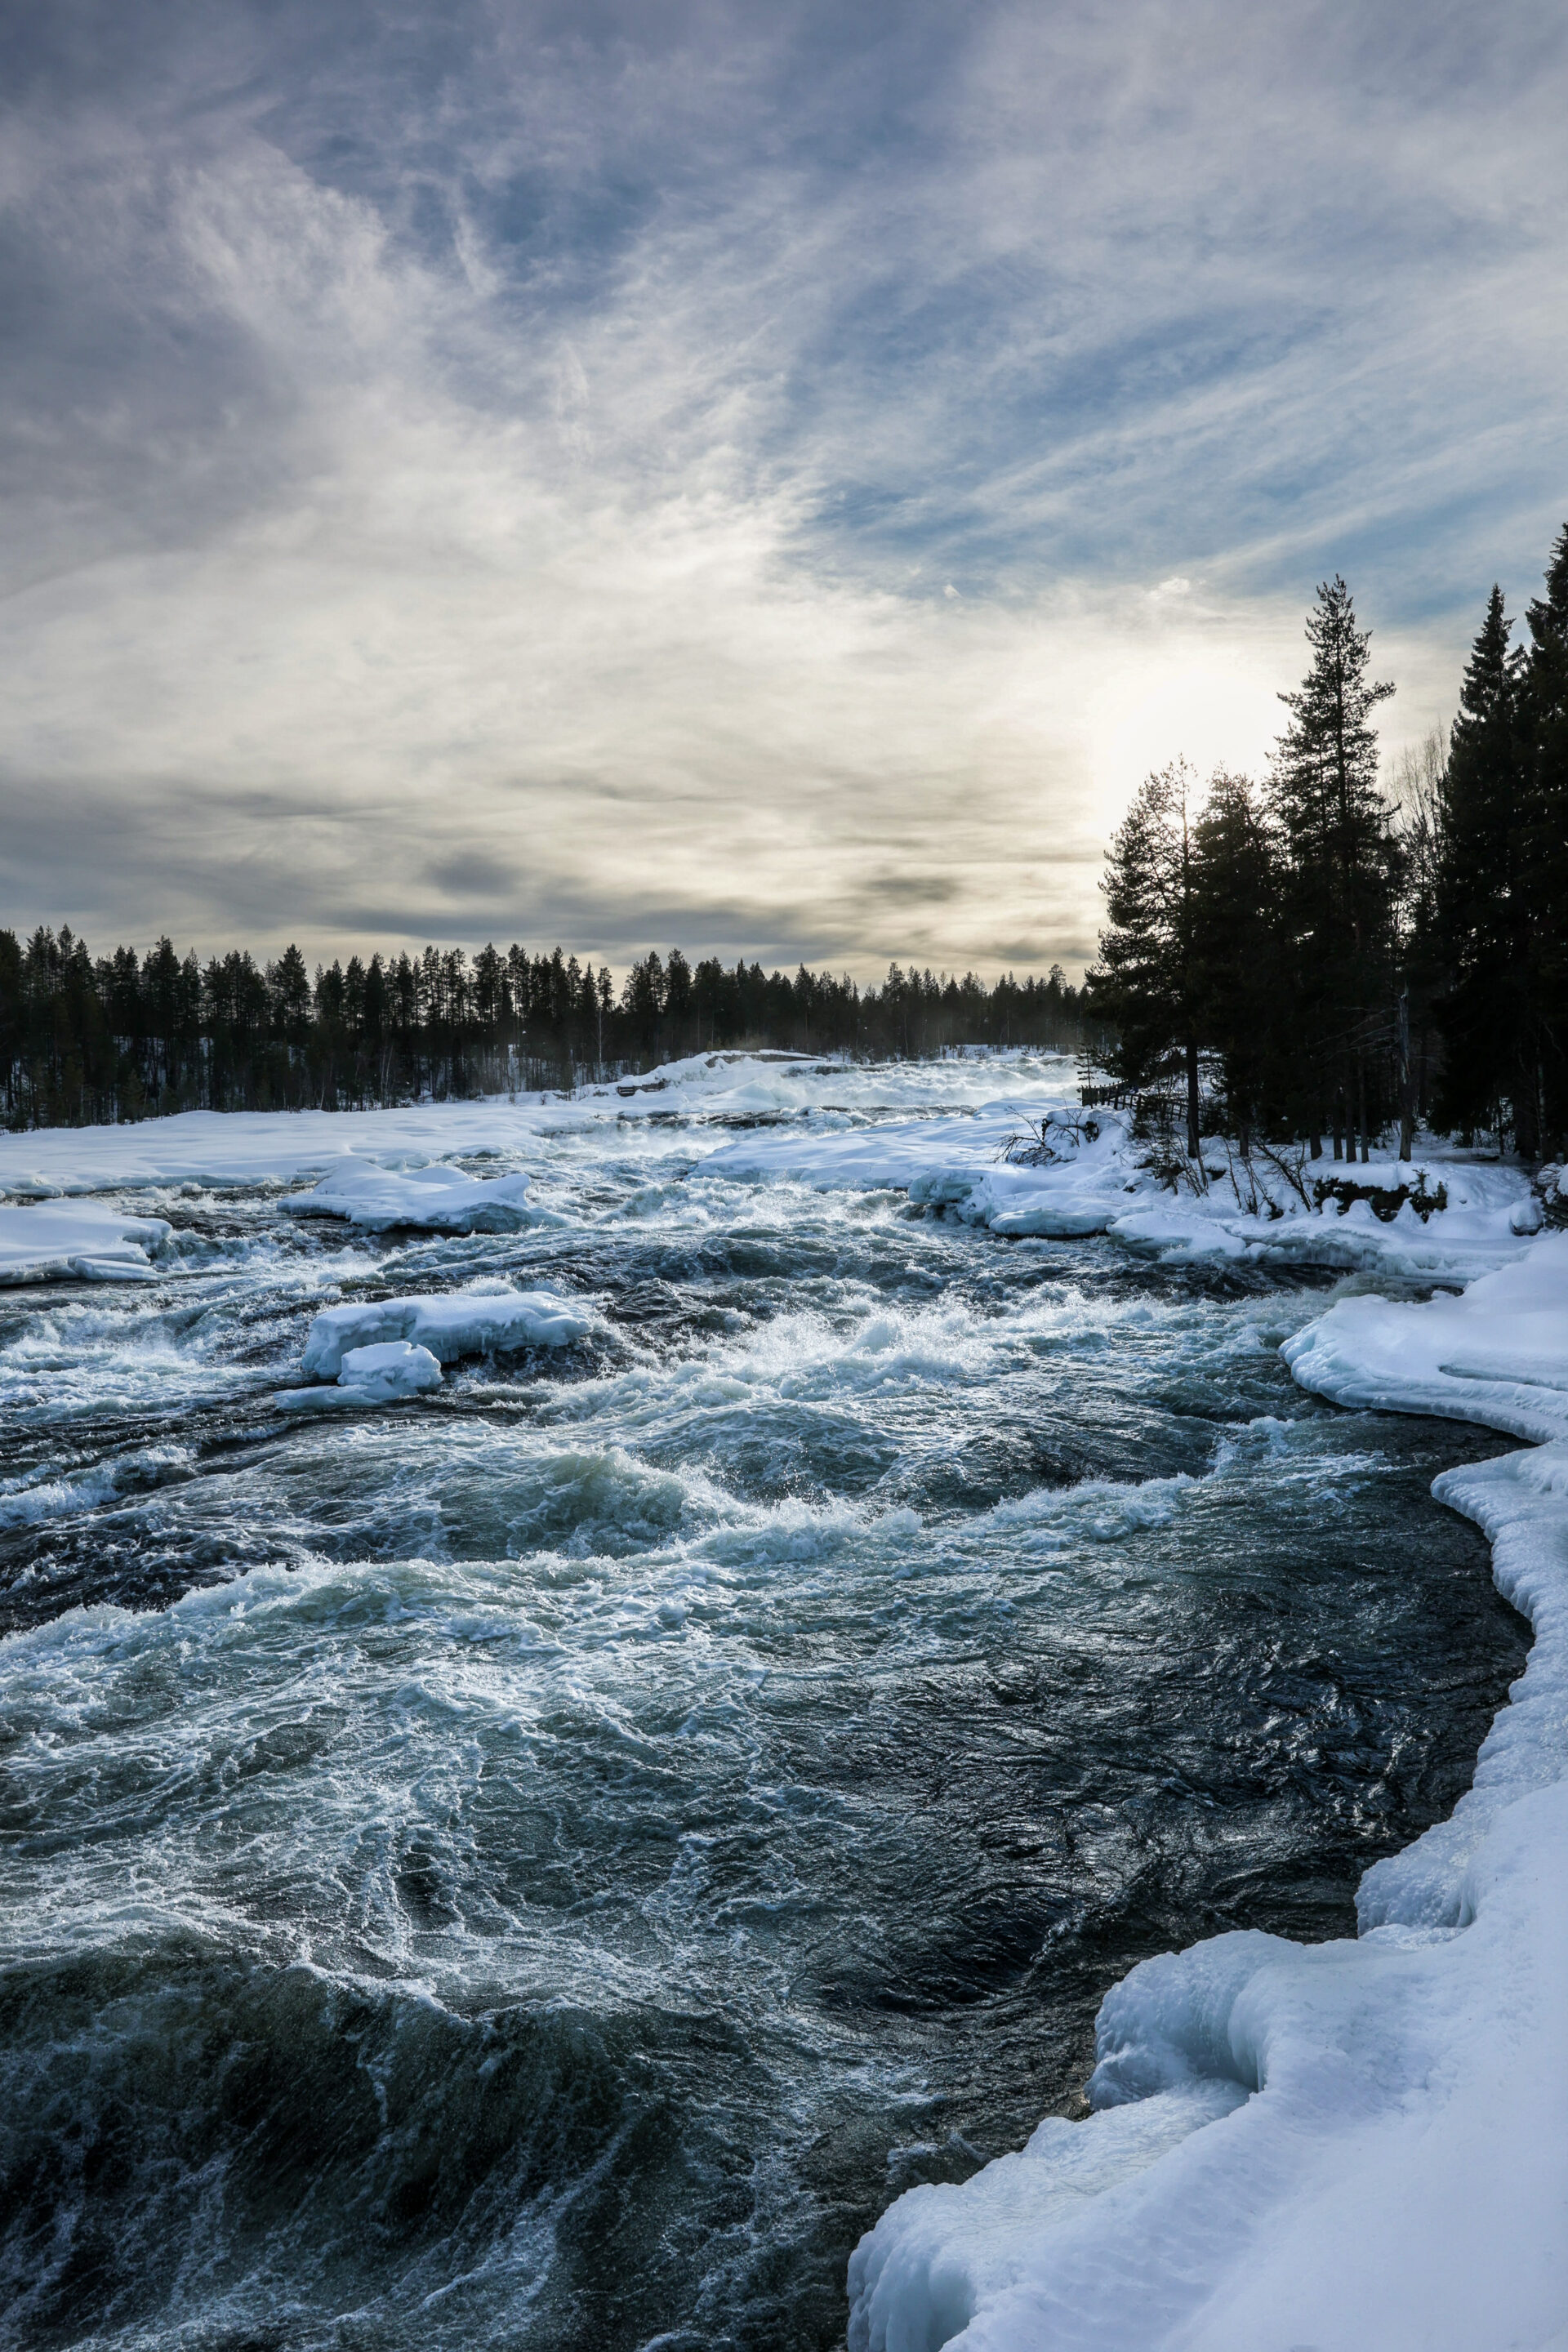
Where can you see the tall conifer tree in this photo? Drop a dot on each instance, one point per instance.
(1148, 983)
(1340, 861)
(1235, 949)
(1541, 1099)
(1477, 904)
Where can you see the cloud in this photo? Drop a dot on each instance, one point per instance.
(508, 468)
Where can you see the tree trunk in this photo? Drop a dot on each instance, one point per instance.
(1192, 1097)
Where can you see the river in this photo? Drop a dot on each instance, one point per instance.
(542, 1866)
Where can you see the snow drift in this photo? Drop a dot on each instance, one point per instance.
(1355, 2143)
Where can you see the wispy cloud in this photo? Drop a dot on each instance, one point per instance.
(750, 476)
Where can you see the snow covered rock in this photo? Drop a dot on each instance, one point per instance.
(456, 1323)
(389, 1370)
(63, 1241)
(1346, 2144)
(386, 1373)
(439, 1198)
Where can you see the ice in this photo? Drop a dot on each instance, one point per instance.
(383, 1373)
(454, 1324)
(390, 1369)
(218, 1148)
(1099, 1179)
(1497, 1354)
(443, 1199)
(58, 1241)
(1355, 2144)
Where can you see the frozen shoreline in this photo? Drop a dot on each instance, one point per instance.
(1353, 2144)
(940, 1132)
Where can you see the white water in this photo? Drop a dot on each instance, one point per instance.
(544, 1864)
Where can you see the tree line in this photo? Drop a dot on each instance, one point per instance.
(123, 1036)
(1313, 958)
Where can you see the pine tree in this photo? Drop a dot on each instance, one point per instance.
(1340, 866)
(288, 983)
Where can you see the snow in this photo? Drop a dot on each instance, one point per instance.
(391, 1369)
(78, 1241)
(1358, 2144)
(443, 1200)
(385, 1373)
(449, 1325)
(220, 1148)
(1099, 1180)
(1345, 2145)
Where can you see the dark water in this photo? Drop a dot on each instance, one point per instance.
(543, 1866)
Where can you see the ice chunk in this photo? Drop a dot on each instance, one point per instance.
(453, 1324)
(389, 1369)
(440, 1198)
(63, 1241)
(386, 1373)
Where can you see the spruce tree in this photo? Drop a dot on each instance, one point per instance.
(1540, 1076)
(1236, 949)
(1147, 983)
(1340, 861)
(1477, 909)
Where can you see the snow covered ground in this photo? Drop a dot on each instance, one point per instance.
(939, 1132)
(1347, 2146)
(216, 1148)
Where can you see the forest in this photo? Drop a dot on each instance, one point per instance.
(86, 1039)
(1315, 958)
(1312, 957)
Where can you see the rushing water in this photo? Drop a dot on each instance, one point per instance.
(543, 1866)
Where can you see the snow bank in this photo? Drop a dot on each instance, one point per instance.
(218, 1148)
(1341, 2146)
(203, 1147)
(1093, 1177)
(61, 1241)
(443, 1200)
(457, 1323)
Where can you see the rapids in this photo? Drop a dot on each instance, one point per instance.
(542, 1865)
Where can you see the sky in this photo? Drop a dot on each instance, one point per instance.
(769, 478)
